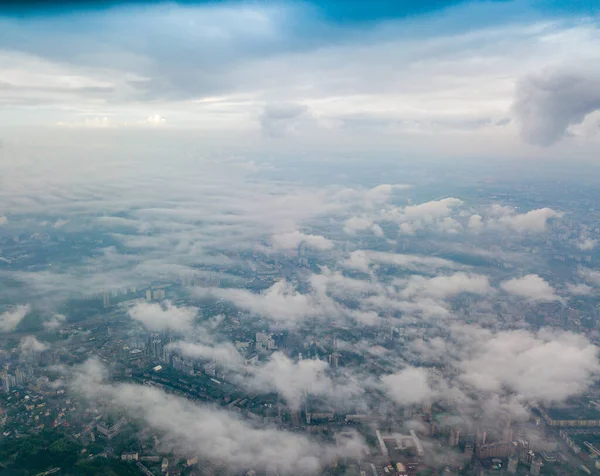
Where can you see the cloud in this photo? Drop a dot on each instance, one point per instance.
(532, 221)
(364, 260)
(547, 104)
(585, 243)
(281, 302)
(590, 276)
(3, 220)
(9, 320)
(291, 240)
(532, 287)
(548, 366)
(280, 120)
(212, 433)
(434, 213)
(155, 120)
(443, 287)
(30, 345)
(54, 322)
(223, 352)
(580, 289)
(356, 224)
(163, 316)
(475, 223)
(383, 192)
(408, 386)
(293, 380)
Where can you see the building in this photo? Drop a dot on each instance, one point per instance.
(513, 464)
(148, 295)
(493, 450)
(535, 467)
(454, 437)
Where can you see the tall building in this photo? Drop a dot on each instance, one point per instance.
(454, 437)
(535, 467)
(106, 300)
(148, 295)
(481, 436)
(6, 383)
(513, 464)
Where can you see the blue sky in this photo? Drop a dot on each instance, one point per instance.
(519, 78)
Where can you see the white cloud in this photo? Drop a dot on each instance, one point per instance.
(223, 352)
(585, 242)
(408, 386)
(294, 379)
(532, 221)
(163, 316)
(210, 432)
(9, 320)
(580, 289)
(30, 345)
(55, 322)
(280, 303)
(443, 287)
(354, 225)
(532, 287)
(383, 192)
(475, 223)
(544, 366)
(291, 240)
(363, 260)
(590, 276)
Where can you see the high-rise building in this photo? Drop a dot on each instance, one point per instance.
(6, 383)
(469, 449)
(513, 464)
(106, 300)
(535, 467)
(481, 436)
(454, 437)
(148, 295)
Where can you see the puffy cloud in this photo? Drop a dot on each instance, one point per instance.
(356, 224)
(281, 302)
(547, 104)
(155, 120)
(475, 223)
(212, 433)
(442, 287)
(590, 276)
(408, 386)
(295, 379)
(532, 287)
(429, 211)
(291, 240)
(30, 345)
(9, 320)
(363, 260)
(433, 213)
(585, 243)
(163, 316)
(580, 289)
(383, 192)
(544, 366)
(54, 322)
(223, 352)
(532, 221)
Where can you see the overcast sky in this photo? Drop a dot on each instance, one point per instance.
(484, 78)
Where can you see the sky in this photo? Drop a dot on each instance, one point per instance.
(497, 79)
